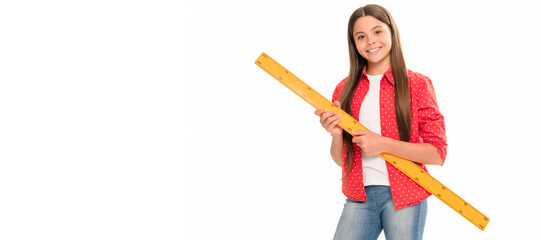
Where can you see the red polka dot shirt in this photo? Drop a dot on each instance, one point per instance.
(427, 127)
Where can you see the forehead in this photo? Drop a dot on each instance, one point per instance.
(367, 23)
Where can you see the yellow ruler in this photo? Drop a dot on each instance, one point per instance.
(348, 123)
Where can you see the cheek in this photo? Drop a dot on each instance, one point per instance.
(360, 47)
(387, 40)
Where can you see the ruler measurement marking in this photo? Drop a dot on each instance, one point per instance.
(348, 123)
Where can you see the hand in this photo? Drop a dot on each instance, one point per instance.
(372, 144)
(330, 120)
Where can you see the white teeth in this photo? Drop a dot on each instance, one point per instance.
(374, 50)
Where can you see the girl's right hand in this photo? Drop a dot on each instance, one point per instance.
(330, 120)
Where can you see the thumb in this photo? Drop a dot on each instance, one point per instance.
(360, 133)
(337, 104)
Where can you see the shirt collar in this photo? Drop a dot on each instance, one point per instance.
(388, 74)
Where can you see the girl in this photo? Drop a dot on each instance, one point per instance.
(399, 107)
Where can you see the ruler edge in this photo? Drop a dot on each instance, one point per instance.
(383, 155)
(398, 166)
(334, 107)
(288, 72)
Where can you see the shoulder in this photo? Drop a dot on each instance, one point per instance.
(341, 84)
(421, 87)
(338, 89)
(418, 79)
(419, 83)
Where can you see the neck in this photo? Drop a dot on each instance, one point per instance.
(377, 68)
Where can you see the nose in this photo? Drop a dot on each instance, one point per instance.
(370, 40)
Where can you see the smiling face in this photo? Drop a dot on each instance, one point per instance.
(373, 42)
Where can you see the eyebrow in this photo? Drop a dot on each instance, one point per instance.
(370, 30)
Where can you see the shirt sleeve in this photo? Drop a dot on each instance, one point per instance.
(431, 121)
(338, 91)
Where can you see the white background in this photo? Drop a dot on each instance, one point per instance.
(91, 127)
(149, 119)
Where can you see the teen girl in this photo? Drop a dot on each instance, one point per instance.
(399, 107)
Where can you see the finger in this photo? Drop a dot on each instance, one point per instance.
(331, 122)
(331, 118)
(335, 122)
(320, 111)
(337, 104)
(326, 115)
(360, 132)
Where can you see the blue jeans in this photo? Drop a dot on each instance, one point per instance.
(365, 220)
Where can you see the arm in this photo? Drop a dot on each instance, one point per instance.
(337, 146)
(374, 144)
(329, 121)
(423, 153)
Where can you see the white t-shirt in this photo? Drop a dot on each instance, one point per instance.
(374, 167)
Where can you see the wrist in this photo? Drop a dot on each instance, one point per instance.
(388, 144)
(337, 134)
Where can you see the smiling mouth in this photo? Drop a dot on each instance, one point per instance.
(374, 50)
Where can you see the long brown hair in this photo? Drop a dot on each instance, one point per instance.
(400, 74)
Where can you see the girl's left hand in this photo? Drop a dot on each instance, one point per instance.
(372, 144)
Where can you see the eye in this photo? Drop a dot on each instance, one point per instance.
(360, 37)
(378, 32)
